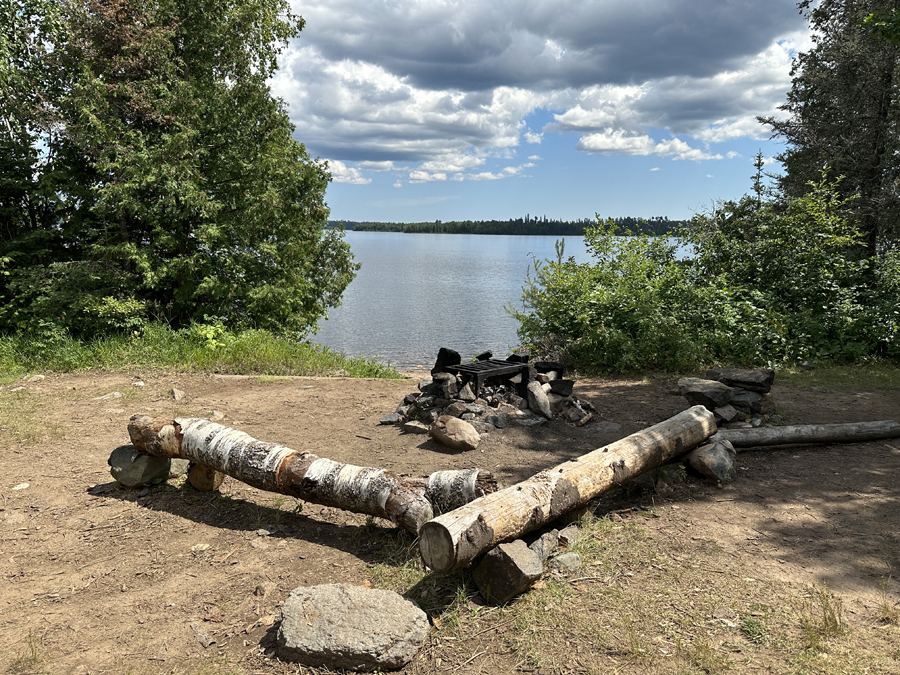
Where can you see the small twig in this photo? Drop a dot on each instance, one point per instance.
(470, 659)
(363, 437)
(487, 630)
(572, 581)
(228, 555)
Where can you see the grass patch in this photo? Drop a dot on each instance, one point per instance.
(30, 661)
(201, 348)
(20, 421)
(642, 603)
(873, 375)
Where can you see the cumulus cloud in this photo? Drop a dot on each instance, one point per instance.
(618, 142)
(341, 173)
(441, 87)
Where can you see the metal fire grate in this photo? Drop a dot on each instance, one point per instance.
(479, 371)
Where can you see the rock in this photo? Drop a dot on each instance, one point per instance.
(500, 421)
(132, 469)
(467, 417)
(519, 357)
(753, 403)
(538, 401)
(708, 393)
(726, 413)
(466, 393)
(566, 563)
(20, 388)
(392, 418)
(446, 385)
(484, 356)
(412, 398)
(446, 357)
(424, 385)
(205, 479)
(562, 387)
(176, 394)
(341, 626)
(138, 385)
(806, 365)
(36, 378)
(415, 428)
(109, 397)
(456, 409)
(569, 536)
(530, 421)
(557, 403)
(759, 379)
(216, 416)
(455, 433)
(179, 467)
(475, 408)
(715, 461)
(507, 571)
(545, 545)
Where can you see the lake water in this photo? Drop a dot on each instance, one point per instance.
(416, 293)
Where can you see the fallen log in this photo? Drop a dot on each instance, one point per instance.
(455, 539)
(276, 468)
(853, 432)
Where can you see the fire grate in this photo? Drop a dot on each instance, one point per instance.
(479, 371)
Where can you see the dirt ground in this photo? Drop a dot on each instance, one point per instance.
(99, 579)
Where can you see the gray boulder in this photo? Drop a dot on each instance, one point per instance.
(708, 393)
(715, 460)
(538, 401)
(341, 626)
(566, 563)
(759, 380)
(132, 469)
(506, 571)
(546, 544)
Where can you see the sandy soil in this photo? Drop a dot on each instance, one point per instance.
(108, 580)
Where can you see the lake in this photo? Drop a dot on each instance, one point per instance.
(416, 293)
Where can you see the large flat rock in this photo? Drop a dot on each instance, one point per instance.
(342, 626)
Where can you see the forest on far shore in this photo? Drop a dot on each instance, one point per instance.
(532, 226)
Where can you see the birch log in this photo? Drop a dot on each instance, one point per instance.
(276, 468)
(454, 539)
(854, 432)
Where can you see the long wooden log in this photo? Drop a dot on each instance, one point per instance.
(276, 468)
(853, 432)
(455, 539)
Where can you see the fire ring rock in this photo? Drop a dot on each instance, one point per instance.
(455, 433)
(351, 627)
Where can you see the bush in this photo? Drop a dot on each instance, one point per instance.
(766, 284)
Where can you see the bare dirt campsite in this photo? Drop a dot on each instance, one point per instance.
(793, 568)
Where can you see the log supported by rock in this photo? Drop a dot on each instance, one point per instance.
(455, 539)
(276, 468)
(853, 432)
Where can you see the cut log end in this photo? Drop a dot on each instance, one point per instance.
(437, 547)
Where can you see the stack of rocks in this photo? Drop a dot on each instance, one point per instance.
(735, 395)
(447, 405)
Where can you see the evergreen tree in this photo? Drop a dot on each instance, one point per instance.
(843, 113)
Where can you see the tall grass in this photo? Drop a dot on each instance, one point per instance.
(200, 348)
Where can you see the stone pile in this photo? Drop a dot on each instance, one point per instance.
(736, 396)
(447, 407)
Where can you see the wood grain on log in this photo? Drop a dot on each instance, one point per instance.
(276, 468)
(853, 432)
(454, 539)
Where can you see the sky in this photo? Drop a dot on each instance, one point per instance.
(494, 109)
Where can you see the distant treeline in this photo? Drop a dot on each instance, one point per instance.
(658, 225)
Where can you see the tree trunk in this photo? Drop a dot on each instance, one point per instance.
(454, 539)
(275, 468)
(854, 432)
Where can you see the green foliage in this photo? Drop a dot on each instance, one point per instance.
(765, 284)
(173, 186)
(885, 25)
(200, 347)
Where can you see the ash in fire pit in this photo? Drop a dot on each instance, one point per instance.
(491, 393)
